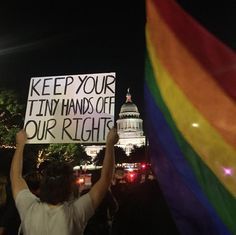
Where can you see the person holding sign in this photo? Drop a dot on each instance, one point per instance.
(55, 211)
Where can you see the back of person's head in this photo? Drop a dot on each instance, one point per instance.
(57, 183)
(33, 180)
(3, 192)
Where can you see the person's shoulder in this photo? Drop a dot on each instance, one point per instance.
(84, 201)
(23, 192)
(25, 195)
(84, 197)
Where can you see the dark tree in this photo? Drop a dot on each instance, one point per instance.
(120, 156)
(138, 154)
(73, 153)
(11, 116)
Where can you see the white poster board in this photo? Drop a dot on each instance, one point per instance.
(70, 109)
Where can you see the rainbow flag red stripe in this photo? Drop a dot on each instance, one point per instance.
(190, 94)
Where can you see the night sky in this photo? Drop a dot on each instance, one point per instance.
(89, 37)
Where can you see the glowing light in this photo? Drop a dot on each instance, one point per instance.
(7, 146)
(143, 166)
(227, 171)
(195, 124)
(129, 169)
(131, 176)
(41, 158)
(80, 181)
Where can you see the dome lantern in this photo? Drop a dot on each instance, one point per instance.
(129, 109)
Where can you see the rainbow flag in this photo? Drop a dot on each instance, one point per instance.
(190, 94)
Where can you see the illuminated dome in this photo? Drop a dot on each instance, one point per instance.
(129, 109)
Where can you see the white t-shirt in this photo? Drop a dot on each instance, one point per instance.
(38, 218)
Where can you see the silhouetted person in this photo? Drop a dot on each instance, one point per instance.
(9, 217)
(3, 202)
(100, 223)
(143, 211)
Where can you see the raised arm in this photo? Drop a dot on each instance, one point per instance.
(99, 189)
(17, 181)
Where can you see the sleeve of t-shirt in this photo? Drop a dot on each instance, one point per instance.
(24, 200)
(84, 207)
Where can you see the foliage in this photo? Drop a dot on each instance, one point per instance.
(11, 116)
(99, 158)
(9, 137)
(9, 101)
(120, 156)
(138, 154)
(74, 153)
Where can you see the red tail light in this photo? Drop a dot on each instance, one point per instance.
(143, 166)
(131, 176)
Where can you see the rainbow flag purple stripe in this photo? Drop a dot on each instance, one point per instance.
(190, 92)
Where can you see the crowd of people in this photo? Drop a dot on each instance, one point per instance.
(50, 202)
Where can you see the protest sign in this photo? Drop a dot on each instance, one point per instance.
(70, 108)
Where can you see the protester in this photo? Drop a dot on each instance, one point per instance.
(101, 222)
(54, 213)
(3, 201)
(9, 217)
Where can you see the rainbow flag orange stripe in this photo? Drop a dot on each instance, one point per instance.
(190, 90)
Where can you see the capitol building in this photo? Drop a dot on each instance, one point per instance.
(129, 128)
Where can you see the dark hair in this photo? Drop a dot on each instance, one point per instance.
(33, 180)
(57, 183)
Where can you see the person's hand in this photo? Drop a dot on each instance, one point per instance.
(21, 137)
(112, 136)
